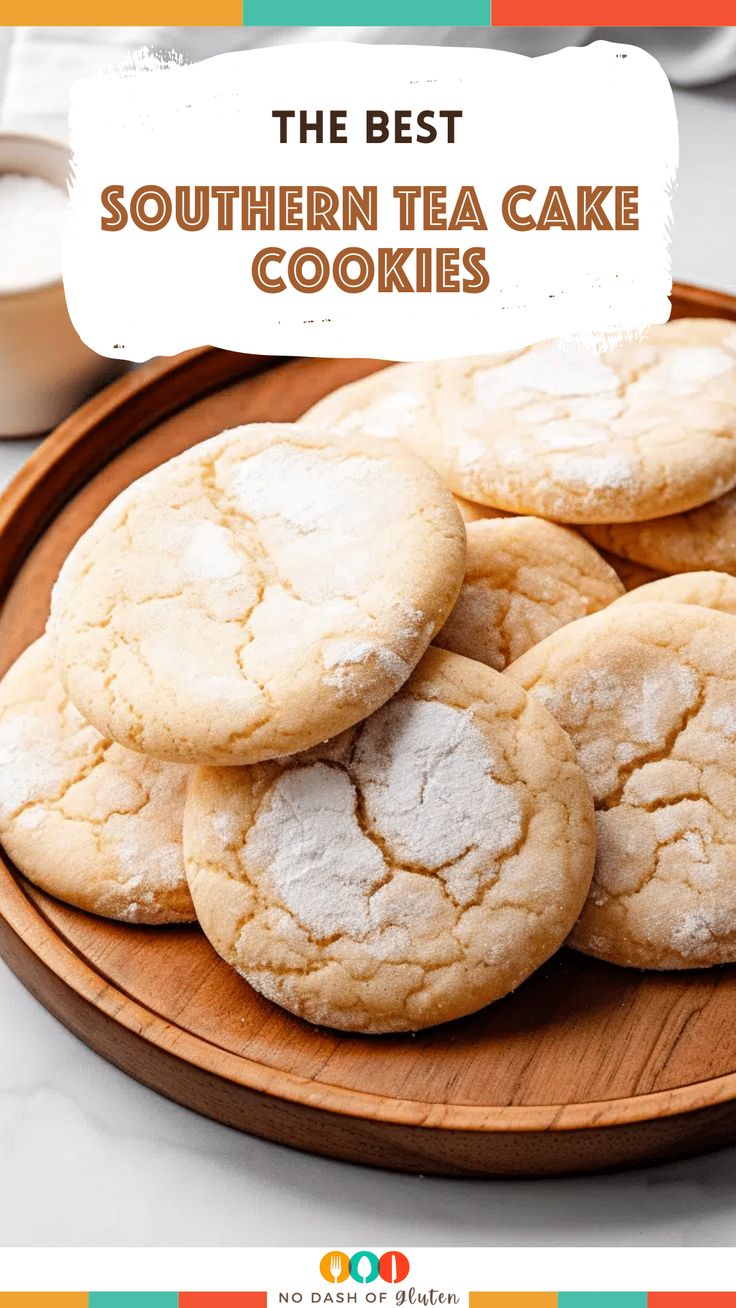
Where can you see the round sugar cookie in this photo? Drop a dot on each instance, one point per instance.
(712, 590)
(704, 538)
(631, 574)
(647, 693)
(257, 594)
(86, 820)
(639, 431)
(524, 578)
(411, 871)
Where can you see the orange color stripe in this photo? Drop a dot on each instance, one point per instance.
(124, 13)
(41, 1299)
(512, 1299)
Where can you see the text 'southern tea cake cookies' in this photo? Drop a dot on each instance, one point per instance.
(686, 542)
(647, 693)
(524, 578)
(409, 872)
(86, 820)
(645, 429)
(257, 594)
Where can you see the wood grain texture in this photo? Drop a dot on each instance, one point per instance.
(586, 1067)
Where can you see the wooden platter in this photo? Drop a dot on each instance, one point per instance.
(586, 1067)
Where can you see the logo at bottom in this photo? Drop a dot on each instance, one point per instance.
(364, 1266)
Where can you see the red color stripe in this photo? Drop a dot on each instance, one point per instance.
(611, 13)
(692, 1299)
(228, 1299)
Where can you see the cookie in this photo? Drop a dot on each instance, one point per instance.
(712, 590)
(477, 512)
(647, 693)
(257, 594)
(642, 430)
(411, 871)
(81, 817)
(631, 574)
(524, 578)
(684, 542)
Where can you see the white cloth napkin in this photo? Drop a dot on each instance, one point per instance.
(42, 62)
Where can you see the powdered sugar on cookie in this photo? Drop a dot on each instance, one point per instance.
(545, 370)
(394, 878)
(257, 594)
(646, 692)
(425, 776)
(524, 579)
(316, 859)
(85, 819)
(645, 429)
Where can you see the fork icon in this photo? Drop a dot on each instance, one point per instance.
(335, 1268)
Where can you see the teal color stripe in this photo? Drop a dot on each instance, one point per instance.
(367, 13)
(133, 1299)
(602, 1299)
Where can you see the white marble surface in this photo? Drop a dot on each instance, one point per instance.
(89, 1157)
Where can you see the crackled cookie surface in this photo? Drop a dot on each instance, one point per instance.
(524, 578)
(409, 872)
(712, 590)
(81, 817)
(639, 431)
(257, 594)
(647, 693)
(684, 542)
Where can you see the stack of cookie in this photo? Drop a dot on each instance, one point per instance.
(235, 713)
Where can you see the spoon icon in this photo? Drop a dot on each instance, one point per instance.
(358, 1268)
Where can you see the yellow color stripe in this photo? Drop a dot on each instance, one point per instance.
(124, 13)
(512, 1299)
(41, 1299)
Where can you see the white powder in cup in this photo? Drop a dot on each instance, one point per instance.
(32, 213)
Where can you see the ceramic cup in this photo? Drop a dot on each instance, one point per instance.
(45, 370)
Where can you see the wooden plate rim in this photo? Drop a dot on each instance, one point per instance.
(28, 923)
(62, 960)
